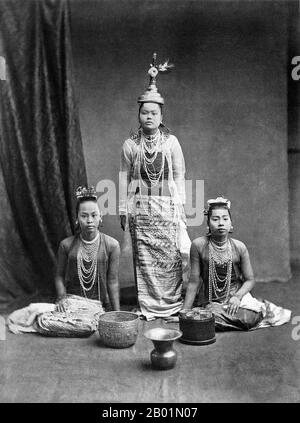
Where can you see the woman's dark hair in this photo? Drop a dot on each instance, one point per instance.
(82, 200)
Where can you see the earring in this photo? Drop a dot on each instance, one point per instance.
(77, 227)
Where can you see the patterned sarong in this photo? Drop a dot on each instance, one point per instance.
(252, 314)
(158, 263)
(79, 320)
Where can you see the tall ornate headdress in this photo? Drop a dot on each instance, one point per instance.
(151, 95)
(219, 201)
(86, 192)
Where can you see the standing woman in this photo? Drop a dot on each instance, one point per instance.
(152, 205)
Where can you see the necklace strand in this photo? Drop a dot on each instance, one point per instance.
(219, 243)
(87, 263)
(151, 138)
(219, 286)
(148, 162)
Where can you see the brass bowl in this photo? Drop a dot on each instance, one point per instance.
(118, 329)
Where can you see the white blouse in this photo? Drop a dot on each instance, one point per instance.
(131, 164)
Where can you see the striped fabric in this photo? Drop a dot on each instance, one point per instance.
(155, 231)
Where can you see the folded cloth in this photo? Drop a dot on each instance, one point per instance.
(252, 314)
(22, 320)
(251, 303)
(273, 315)
(243, 319)
(79, 320)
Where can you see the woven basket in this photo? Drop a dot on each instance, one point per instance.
(118, 329)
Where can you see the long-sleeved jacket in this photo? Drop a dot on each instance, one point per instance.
(130, 171)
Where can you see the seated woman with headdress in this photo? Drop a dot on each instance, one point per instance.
(87, 274)
(222, 276)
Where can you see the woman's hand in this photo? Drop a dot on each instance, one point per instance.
(233, 305)
(62, 304)
(123, 221)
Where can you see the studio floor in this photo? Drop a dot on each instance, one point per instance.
(258, 367)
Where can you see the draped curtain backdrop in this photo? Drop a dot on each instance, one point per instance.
(41, 154)
(225, 100)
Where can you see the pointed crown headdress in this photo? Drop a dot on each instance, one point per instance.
(151, 95)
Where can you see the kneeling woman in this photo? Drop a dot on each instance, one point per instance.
(221, 273)
(87, 274)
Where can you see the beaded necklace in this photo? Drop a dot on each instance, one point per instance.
(222, 256)
(87, 263)
(148, 162)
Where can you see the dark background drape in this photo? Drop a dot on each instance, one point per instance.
(226, 100)
(41, 154)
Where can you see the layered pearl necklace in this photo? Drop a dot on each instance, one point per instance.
(87, 263)
(219, 255)
(151, 145)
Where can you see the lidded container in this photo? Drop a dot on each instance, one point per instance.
(197, 326)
